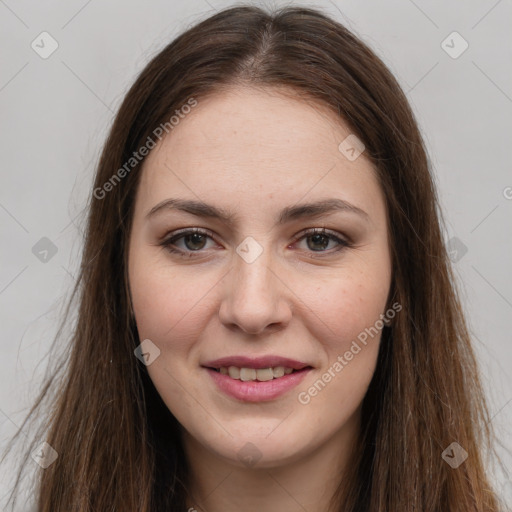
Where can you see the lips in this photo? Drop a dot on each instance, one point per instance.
(270, 361)
(255, 391)
(249, 379)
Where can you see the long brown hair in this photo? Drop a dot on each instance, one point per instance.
(118, 445)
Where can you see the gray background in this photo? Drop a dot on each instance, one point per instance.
(55, 114)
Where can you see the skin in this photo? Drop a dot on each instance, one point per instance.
(254, 152)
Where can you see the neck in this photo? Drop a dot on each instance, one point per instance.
(306, 483)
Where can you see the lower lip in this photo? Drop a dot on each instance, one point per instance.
(256, 391)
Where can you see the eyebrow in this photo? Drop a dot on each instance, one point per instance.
(290, 213)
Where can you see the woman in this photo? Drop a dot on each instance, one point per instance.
(267, 316)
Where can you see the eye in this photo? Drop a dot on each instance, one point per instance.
(318, 239)
(195, 240)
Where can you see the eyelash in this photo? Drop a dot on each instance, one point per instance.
(168, 243)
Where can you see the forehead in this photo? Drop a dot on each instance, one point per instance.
(273, 122)
(257, 144)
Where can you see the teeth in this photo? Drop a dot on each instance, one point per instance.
(234, 372)
(247, 374)
(278, 371)
(261, 374)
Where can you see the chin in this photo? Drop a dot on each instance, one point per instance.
(260, 451)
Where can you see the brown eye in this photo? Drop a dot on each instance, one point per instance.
(318, 240)
(194, 240)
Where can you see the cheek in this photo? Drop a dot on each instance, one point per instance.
(346, 320)
(170, 311)
(344, 307)
(169, 304)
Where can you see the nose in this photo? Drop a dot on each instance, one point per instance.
(256, 297)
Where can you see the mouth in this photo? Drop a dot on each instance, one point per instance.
(256, 380)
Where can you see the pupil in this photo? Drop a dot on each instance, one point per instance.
(196, 238)
(316, 238)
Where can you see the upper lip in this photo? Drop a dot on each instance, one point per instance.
(255, 362)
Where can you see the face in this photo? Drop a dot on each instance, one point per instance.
(262, 277)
